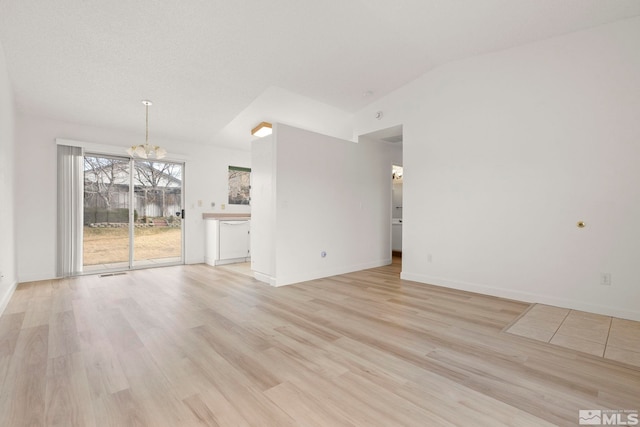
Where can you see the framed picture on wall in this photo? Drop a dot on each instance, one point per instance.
(239, 185)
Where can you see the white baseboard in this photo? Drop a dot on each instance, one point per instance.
(4, 299)
(320, 274)
(523, 296)
(265, 278)
(230, 261)
(23, 278)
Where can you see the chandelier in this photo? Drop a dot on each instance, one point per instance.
(146, 150)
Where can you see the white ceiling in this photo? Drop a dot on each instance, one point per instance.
(206, 64)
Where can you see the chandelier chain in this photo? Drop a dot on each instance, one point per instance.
(147, 151)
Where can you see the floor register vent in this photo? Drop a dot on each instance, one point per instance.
(112, 274)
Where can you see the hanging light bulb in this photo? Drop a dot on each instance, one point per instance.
(146, 150)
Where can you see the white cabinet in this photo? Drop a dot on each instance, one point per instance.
(227, 241)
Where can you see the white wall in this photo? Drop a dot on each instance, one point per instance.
(331, 195)
(205, 179)
(8, 271)
(505, 152)
(263, 202)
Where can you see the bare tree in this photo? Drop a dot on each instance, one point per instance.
(154, 178)
(102, 176)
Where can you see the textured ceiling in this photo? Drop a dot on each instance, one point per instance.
(204, 63)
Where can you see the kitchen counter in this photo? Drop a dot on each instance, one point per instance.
(227, 216)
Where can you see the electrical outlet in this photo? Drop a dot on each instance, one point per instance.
(605, 279)
(429, 258)
(222, 206)
(199, 203)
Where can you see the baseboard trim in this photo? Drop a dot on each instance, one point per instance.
(529, 297)
(4, 301)
(265, 278)
(321, 274)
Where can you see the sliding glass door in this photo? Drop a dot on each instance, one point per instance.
(157, 234)
(132, 213)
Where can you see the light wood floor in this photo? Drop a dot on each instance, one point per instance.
(196, 345)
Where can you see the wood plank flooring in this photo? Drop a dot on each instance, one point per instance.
(200, 346)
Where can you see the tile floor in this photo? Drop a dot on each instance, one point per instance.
(603, 336)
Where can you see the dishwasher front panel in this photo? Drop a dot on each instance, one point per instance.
(234, 239)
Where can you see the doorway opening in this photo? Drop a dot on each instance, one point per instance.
(397, 173)
(392, 138)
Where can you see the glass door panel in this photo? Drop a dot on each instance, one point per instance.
(106, 213)
(157, 204)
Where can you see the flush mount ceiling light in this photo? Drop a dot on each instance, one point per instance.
(263, 129)
(147, 151)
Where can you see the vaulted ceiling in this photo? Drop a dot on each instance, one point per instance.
(207, 64)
